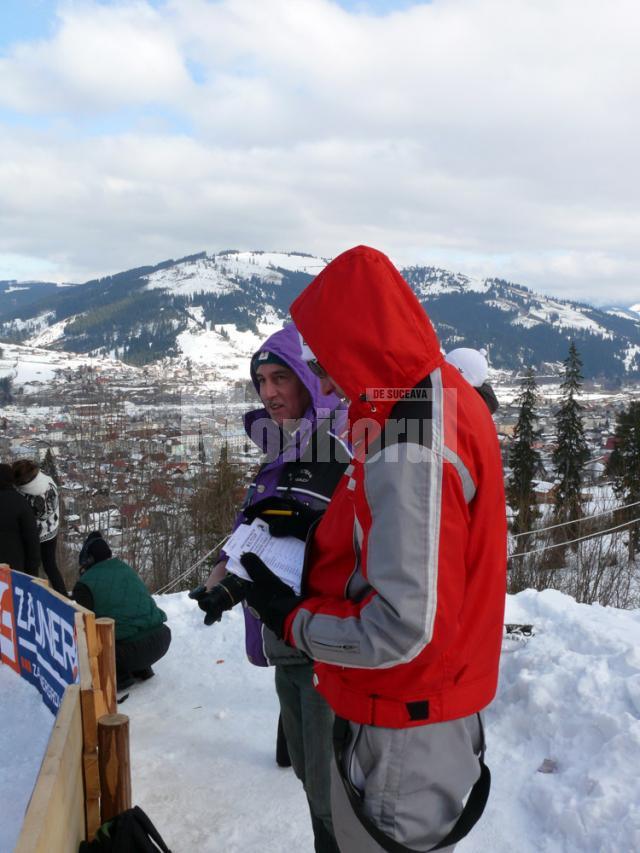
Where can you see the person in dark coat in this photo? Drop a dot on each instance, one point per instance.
(19, 542)
(110, 587)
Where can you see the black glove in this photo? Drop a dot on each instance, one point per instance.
(270, 597)
(223, 596)
(295, 520)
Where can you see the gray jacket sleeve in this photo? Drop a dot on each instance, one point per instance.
(394, 620)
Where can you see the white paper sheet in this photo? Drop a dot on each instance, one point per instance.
(283, 555)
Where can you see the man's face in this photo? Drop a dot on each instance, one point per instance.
(284, 396)
(327, 384)
(330, 386)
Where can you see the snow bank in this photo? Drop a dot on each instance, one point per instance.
(24, 733)
(203, 738)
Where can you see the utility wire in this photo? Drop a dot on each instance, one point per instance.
(575, 520)
(571, 541)
(183, 575)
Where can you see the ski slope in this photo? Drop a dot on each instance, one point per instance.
(203, 738)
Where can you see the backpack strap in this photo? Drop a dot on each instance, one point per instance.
(143, 820)
(471, 813)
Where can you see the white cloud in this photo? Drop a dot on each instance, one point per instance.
(100, 58)
(489, 132)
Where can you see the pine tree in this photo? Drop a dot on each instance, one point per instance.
(6, 391)
(624, 467)
(201, 450)
(48, 466)
(524, 459)
(572, 451)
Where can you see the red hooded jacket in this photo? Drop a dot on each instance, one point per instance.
(406, 572)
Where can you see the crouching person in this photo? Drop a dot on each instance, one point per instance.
(110, 587)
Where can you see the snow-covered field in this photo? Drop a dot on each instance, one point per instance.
(30, 365)
(226, 348)
(25, 726)
(203, 738)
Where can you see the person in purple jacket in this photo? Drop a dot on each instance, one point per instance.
(298, 429)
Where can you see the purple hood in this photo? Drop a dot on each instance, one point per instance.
(280, 449)
(264, 432)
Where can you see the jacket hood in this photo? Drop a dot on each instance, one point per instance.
(367, 328)
(286, 345)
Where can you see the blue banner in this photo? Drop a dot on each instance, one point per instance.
(43, 635)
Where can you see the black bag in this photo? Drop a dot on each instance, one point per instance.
(128, 832)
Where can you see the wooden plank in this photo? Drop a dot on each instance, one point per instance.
(89, 720)
(84, 666)
(91, 774)
(106, 629)
(55, 818)
(92, 647)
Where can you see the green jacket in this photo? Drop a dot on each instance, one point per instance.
(118, 592)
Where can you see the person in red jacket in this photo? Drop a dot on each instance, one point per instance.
(403, 602)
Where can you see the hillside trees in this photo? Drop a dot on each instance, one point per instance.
(6, 391)
(215, 503)
(571, 452)
(624, 468)
(524, 458)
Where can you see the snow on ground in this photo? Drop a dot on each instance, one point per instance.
(562, 316)
(32, 324)
(226, 349)
(24, 732)
(28, 365)
(631, 360)
(203, 738)
(50, 334)
(219, 273)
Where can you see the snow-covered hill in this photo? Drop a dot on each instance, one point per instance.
(224, 347)
(29, 365)
(145, 315)
(224, 273)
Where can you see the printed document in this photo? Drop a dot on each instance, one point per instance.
(283, 555)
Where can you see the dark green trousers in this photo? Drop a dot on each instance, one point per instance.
(308, 726)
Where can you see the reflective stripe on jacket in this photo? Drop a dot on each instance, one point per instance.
(407, 570)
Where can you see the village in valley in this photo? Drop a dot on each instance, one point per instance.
(138, 450)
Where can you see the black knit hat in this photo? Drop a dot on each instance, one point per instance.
(94, 550)
(266, 357)
(100, 551)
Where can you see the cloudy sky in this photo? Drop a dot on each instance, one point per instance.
(498, 137)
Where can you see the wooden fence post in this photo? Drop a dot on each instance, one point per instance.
(106, 631)
(90, 762)
(114, 764)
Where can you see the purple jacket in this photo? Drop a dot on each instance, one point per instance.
(262, 646)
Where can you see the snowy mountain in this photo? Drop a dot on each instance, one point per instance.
(189, 307)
